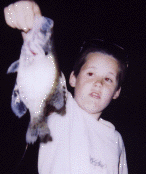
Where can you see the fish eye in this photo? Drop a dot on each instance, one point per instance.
(46, 52)
(43, 31)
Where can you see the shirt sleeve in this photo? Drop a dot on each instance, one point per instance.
(123, 169)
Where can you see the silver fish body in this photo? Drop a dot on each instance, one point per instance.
(40, 86)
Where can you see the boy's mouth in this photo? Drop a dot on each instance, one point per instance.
(95, 95)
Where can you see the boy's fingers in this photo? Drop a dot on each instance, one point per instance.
(21, 14)
(29, 19)
(26, 15)
(31, 13)
(21, 11)
(9, 16)
(36, 9)
(13, 17)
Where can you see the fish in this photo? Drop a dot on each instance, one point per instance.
(40, 86)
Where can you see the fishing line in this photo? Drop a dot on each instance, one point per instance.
(21, 158)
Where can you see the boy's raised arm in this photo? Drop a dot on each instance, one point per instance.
(21, 14)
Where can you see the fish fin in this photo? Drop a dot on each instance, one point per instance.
(18, 107)
(13, 67)
(58, 100)
(31, 135)
(38, 128)
(44, 132)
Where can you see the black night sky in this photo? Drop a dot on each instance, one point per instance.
(122, 22)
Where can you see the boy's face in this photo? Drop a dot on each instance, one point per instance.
(96, 84)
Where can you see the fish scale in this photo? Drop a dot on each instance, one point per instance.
(40, 86)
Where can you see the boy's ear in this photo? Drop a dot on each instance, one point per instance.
(72, 79)
(117, 93)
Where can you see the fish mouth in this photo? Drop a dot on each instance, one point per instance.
(31, 51)
(95, 95)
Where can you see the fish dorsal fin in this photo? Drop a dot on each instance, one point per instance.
(58, 100)
(13, 67)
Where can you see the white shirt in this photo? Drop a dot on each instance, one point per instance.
(81, 145)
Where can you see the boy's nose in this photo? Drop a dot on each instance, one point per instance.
(98, 82)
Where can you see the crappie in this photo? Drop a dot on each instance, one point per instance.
(40, 86)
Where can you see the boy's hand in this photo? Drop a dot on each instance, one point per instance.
(21, 14)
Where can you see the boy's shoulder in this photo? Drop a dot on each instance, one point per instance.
(107, 123)
(110, 126)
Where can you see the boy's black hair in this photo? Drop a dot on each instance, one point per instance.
(105, 47)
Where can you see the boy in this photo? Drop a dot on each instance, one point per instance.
(82, 142)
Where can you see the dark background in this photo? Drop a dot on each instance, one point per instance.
(122, 22)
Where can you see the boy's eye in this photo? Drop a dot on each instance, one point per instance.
(108, 80)
(90, 74)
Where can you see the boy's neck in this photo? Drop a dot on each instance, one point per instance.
(96, 116)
